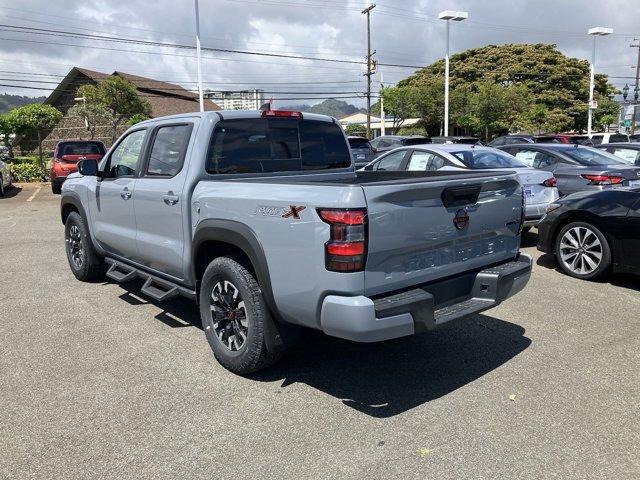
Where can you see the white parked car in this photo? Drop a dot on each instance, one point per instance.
(539, 186)
(601, 138)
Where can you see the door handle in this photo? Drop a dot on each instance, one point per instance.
(125, 194)
(170, 199)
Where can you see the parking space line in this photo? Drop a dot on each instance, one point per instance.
(34, 194)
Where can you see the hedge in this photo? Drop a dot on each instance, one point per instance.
(27, 169)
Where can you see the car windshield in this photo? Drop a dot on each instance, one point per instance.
(359, 143)
(482, 159)
(590, 156)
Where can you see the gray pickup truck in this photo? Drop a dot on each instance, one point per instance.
(261, 218)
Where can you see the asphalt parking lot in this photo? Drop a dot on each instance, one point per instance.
(97, 381)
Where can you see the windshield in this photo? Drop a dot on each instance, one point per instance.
(483, 159)
(590, 156)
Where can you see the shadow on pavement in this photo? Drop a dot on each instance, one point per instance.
(623, 280)
(11, 192)
(380, 379)
(388, 378)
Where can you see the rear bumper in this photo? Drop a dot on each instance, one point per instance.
(534, 213)
(362, 319)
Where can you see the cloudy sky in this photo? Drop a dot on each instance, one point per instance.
(405, 32)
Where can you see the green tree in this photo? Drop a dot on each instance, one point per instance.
(399, 104)
(7, 129)
(536, 118)
(137, 118)
(35, 118)
(356, 129)
(608, 112)
(119, 96)
(543, 75)
(93, 114)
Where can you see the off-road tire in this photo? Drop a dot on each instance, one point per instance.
(91, 265)
(604, 265)
(253, 354)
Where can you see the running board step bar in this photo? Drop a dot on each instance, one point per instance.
(155, 287)
(159, 290)
(120, 273)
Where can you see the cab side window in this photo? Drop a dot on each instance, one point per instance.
(168, 150)
(125, 159)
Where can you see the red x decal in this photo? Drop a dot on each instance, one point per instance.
(294, 212)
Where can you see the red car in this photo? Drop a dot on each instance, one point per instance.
(67, 155)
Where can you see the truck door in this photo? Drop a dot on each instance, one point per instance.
(160, 205)
(111, 205)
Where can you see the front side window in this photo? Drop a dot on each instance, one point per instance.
(596, 139)
(393, 161)
(168, 150)
(261, 145)
(424, 161)
(535, 159)
(125, 158)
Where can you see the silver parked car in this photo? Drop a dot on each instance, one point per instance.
(5, 176)
(578, 168)
(539, 186)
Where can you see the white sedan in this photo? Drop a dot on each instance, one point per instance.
(539, 185)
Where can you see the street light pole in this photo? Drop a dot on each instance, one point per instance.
(199, 58)
(449, 15)
(595, 32)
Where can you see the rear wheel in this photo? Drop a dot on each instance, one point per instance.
(582, 251)
(83, 260)
(234, 317)
(56, 189)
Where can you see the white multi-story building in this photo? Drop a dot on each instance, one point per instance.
(237, 100)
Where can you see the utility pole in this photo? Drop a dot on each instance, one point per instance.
(383, 120)
(370, 66)
(199, 59)
(635, 104)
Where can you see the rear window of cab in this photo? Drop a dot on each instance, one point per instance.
(266, 145)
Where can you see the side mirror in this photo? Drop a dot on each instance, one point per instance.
(88, 168)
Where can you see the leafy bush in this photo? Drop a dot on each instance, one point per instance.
(413, 130)
(27, 169)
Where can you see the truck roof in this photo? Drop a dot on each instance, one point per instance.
(234, 114)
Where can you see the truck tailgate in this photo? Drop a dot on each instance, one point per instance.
(413, 238)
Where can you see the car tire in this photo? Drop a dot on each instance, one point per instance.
(234, 317)
(56, 189)
(85, 263)
(1, 188)
(582, 251)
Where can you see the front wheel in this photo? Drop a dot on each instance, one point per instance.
(234, 317)
(83, 260)
(583, 251)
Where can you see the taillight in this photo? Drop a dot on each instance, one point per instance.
(603, 179)
(550, 182)
(281, 113)
(346, 249)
